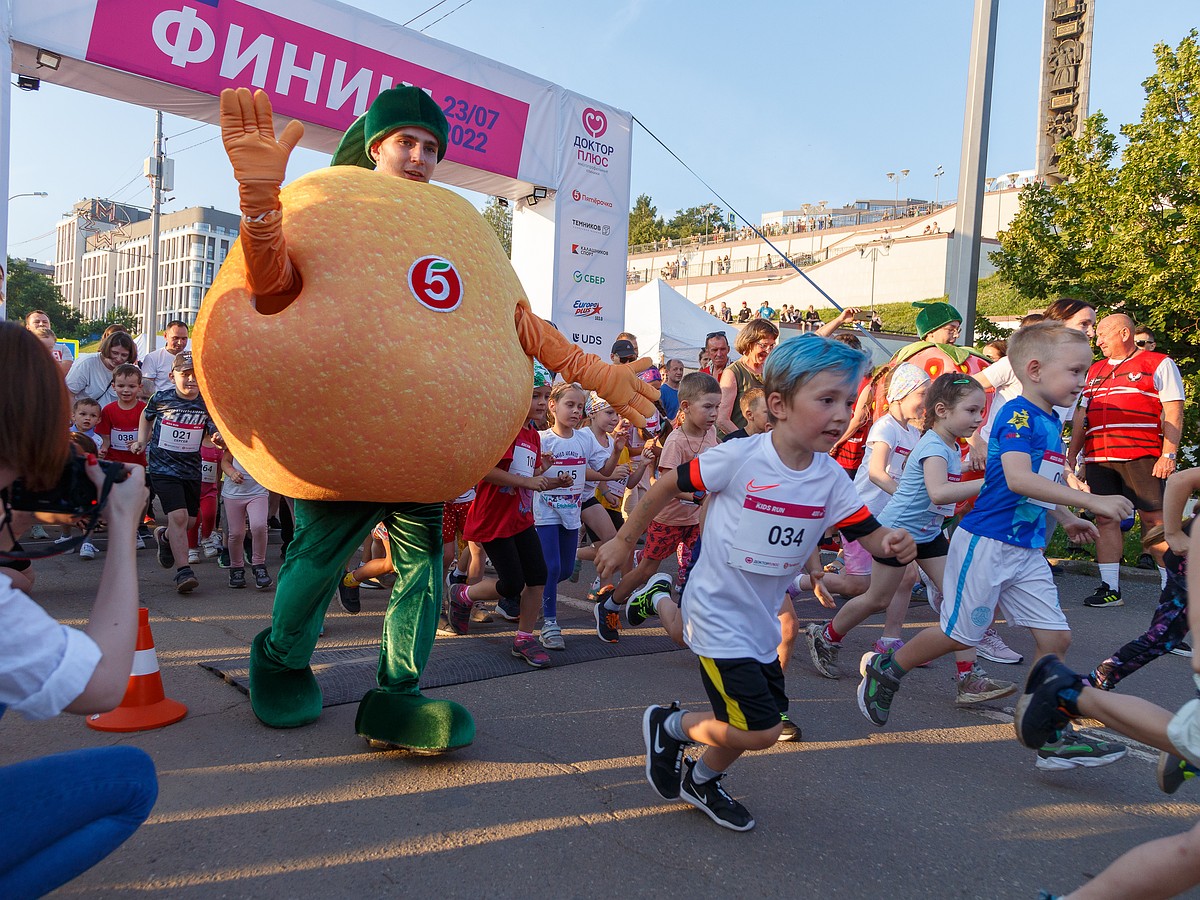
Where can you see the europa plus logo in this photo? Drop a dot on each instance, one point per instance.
(595, 122)
(435, 283)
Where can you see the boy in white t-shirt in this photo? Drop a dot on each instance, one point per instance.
(770, 498)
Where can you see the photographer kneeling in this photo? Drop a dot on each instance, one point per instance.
(62, 814)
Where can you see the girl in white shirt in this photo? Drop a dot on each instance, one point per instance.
(579, 458)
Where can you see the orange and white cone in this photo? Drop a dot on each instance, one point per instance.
(144, 706)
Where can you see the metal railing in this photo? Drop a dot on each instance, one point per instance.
(824, 222)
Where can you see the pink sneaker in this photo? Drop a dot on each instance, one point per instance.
(459, 609)
(527, 648)
(883, 645)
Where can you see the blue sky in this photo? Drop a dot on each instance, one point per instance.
(774, 103)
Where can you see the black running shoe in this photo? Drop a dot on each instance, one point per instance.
(791, 731)
(349, 598)
(641, 605)
(509, 609)
(664, 754)
(186, 581)
(223, 560)
(166, 558)
(1104, 597)
(237, 577)
(877, 688)
(262, 580)
(713, 800)
(1173, 771)
(1041, 715)
(608, 624)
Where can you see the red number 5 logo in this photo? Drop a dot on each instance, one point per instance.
(435, 283)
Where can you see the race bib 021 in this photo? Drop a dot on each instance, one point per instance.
(179, 437)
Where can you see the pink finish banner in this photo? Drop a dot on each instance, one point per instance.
(208, 45)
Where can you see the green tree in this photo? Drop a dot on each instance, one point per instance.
(695, 220)
(27, 291)
(645, 224)
(1123, 231)
(118, 315)
(499, 216)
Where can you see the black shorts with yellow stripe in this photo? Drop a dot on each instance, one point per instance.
(745, 693)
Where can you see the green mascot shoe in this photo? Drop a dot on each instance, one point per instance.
(413, 722)
(281, 697)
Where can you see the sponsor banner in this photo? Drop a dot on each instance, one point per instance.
(592, 223)
(311, 75)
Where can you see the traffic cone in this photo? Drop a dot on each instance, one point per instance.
(144, 706)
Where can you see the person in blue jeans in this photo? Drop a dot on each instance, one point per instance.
(62, 814)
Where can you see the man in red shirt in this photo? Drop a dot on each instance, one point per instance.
(716, 345)
(1128, 423)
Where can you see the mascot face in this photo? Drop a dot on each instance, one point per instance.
(396, 375)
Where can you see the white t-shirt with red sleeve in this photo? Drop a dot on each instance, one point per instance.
(764, 520)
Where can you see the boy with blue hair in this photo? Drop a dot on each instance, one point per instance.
(770, 499)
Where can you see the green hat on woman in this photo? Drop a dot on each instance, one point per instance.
(934, 315)
(395, 108)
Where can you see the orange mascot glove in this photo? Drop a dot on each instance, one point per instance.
(259, 165)
(619, 385)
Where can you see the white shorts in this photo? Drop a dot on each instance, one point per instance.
(983, 573)
(1184, 729)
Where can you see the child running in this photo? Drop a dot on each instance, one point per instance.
(676, 526)
(886, 452)
(578, 458)
(501, 519)
(928, 491)
(245, 498)
(118, 425)
(602, 498)
(770, 498)
(995, 557)
(171, 430)
(203, 535)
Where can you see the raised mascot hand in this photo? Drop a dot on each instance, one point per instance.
(259, 158)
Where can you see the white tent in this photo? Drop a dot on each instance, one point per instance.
(667, 322)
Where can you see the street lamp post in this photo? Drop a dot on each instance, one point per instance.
(896, 178)
(29, 194)
(937, 184)
(884, 247)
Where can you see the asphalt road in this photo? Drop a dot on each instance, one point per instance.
(551, 798)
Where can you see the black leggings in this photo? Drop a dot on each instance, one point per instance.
(518, 562)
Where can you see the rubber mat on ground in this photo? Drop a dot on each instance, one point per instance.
(345, 674)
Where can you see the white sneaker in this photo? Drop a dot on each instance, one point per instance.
(141, 543)
(933, 595)
(38, 533)
(596, 585)
(193, 557)
(87, 550)
(62, 540)
(210, 547)
(551, 637)
(993, 649)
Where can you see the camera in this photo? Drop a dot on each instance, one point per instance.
(74, 495)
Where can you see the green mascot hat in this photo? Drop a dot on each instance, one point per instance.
(394, 108)
(934, 315)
